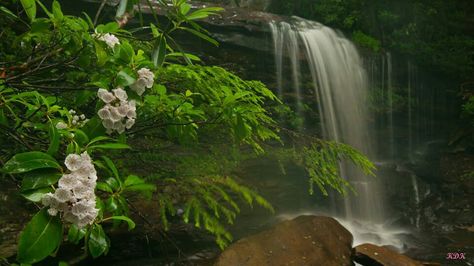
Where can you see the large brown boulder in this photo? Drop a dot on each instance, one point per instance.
(305, 240)
(372, 255)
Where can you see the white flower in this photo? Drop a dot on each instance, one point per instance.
(145, 80)
(68, 181)
(70, 217)
(61, 125)
(75, 195)
(63, 195)
(108, 38)
(73, 162)
(138, 87)
(85, 156)
(129, 123)
(120, 127)
(81, 208)
(104, 112)
(47, 199)
(108, 124)
(83, 117)
(52, 211)
(147, 76)
(72, 111)
(81, 191)
(123, 109)
(121, 94)
(114, 114)
(106, 96)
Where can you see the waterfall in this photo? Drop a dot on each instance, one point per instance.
(340, 85)
(390, 94)
(417, 200)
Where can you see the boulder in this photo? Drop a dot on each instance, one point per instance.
(372, 255)
(305, 240)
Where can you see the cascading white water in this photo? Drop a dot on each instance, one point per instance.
(340, 84)
(309, 51)
(417, 199)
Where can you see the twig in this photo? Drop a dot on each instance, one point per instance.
(99, 11)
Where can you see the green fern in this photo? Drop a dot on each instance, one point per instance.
(209, 202)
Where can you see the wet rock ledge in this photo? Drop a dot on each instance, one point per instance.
(309, 240)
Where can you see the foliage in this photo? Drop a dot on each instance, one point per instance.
(366, 41)
(59, 72)
(437, 34)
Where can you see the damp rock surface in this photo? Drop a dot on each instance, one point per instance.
(305, 240)
(373, 255)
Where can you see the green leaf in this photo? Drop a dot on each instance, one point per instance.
(203, 13)
(121, 8)
(80, 137)
(113, 183)
(159, 52)
(94, 129)
(111, 205)
(97, 139)
(39, 179)
(35, 195)
(104, 187)
(58, 14)
(133, 180)
(111, 166)
(124, 79)
(7, 11)
(110, 146)
(28, 161)
(129, 221)
(40, 238)
(50, 15)
(126, 52)
(101, 54)
(146, 188)
(75, 234)
(98, 242)
(53, 140)
(184, 8)
(110, 27)
(201, 35)
(30, 8)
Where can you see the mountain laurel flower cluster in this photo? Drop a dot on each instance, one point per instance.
(145, 81)
(75, 197)
(78, 120)
(118, 113)
(110, 39)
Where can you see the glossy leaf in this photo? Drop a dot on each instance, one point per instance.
(28, 161)
(124, 79)
(131, 224)
(7, 11)
(110, 146)
(40, 238)
(110, 164)
(98, 242)
(39, 179)
(75, 234)
(159, 52)
(53, 140)
(35, 195)
(30, 8)
(58, 14)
